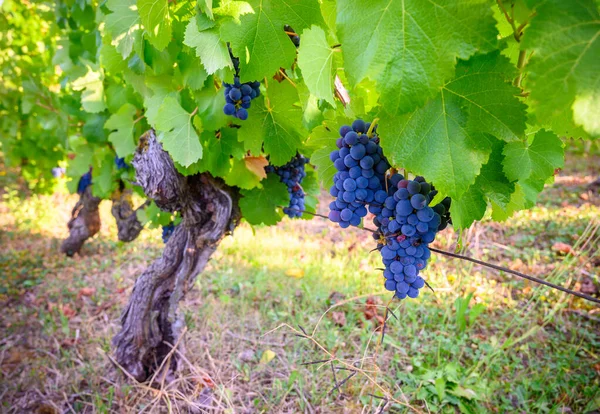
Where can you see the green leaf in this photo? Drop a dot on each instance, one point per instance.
(259, 39)
(323, 139)
(468, 208)
(92, 97)
(192, 72)
(492, 181)
(536, 160)
(210, 107)
(209, 47)
(121, 124)
(411, 46)
(123, 24)
(178, 136)
(312, 190)
(277, 122)
(565, 40)
(585, 112)
(241, 176)
(315, 59)
(218, 149)
(262, 205)
(233, 9)
(434, 142)
(481, 84)
(156, 20)
(111, 60)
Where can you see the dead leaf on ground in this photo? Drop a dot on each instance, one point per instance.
(86, 291)
(562, 248)
(339, 318)
(257, 165)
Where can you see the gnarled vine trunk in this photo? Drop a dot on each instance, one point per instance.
(84, 222)
(128, 225)
(85, 219)
(151, 320)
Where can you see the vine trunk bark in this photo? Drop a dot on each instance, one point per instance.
(84, 222)
(85, 219)
(151, 323)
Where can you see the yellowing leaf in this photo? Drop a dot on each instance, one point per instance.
(257, 165)
(267, 356)
(295, 273)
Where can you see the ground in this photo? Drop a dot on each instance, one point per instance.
(483, 341)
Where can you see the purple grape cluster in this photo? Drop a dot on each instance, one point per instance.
(406, 225)
(167, 231)
(84, 182)
(238, 97)
(292, 174)
(120, 163)
(361, 169)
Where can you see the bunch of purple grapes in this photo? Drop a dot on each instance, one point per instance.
(120, 163)
(292, 174)
(406, 225)
(167, 231)
(238, 97)
(84, 182)
(361, 169)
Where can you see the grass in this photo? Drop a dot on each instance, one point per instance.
(483, 342)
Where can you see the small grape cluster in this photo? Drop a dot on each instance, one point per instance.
(238, 97)
(292, 35)
(167, 231)
(84, 182)
(361, 169)
(406, 225)
(120, 163)
(292, 174)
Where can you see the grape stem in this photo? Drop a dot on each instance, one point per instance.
(372, 127)
(514, 272)
(492, 266)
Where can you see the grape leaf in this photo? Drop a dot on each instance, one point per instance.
(123, 25)
(434, 142)
(92, 97)
(586, 110)
(259, 39)
(177, 134)
(156, 20)
(565, 40)
(241, 176)
(261, 205)
(322, 139)
(536, 160)
(210, 107)
(257, 165)
(481, 83)
(312, 190)
(471, 206)
(209, 47)
(492, 181)
(411, 46)
(111, 60)
(277, 122)
(315, 59)
(192, 72)
(121, 124)
(233, 9)
(218, 149)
